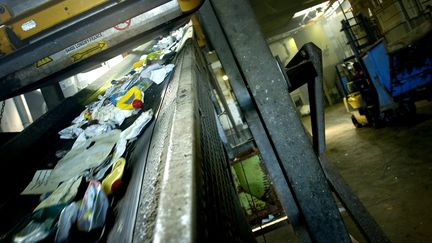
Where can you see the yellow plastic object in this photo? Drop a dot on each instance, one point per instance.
(115, 175)
(154, 55)
(87, 115)
(6, 46)
(49, 15)
(126, 102)
(187, 6)
(138, 64)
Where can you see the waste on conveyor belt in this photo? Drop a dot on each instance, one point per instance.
(97, 157)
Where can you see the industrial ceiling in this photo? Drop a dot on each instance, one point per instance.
(275, 15)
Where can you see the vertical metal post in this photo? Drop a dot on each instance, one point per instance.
(217, 39)
(215, 85)
(23, 110)
(306, 67)
(316, 98)
(278, 113)
(53, 95)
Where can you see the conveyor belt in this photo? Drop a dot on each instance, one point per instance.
(35, 147)
(126, 208)
(179, 185)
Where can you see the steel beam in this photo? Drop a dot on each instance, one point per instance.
(74, 33)
(217, 39)
(270, 93)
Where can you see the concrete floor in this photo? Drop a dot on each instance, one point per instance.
(389, 169)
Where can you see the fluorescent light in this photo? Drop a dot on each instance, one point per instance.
(301, 13)
(306, 11)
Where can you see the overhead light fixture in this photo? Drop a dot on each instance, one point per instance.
(306, 11)
(301, 13)
(225, 78)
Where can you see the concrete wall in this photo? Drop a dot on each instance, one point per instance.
(285, 48)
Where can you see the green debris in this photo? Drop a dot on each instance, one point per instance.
(251, 176)
(250, 203)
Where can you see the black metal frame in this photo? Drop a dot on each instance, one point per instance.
(298, 169)
(306, 68)
(293, 156)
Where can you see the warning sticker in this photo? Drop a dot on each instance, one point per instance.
(89, 51)
(43, 61)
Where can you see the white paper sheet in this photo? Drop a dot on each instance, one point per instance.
(65, 193)
(135, 129)
(85, 156)
(159, 75)
(40, 184)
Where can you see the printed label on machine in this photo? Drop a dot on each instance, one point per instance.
(88, 51)
(83, 43)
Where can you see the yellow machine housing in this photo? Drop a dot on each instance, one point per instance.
(40, 19)
(5, 45)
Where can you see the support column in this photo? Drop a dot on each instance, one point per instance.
(53, 95)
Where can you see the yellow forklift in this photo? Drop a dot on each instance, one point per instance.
(360, 99)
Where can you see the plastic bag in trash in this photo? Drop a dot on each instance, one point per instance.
(68, 218)
(93, 209)
(35, 227)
